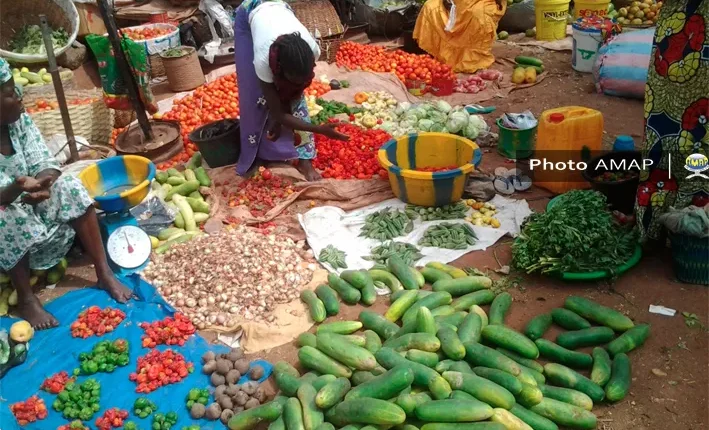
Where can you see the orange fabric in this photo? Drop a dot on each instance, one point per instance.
(468, 47)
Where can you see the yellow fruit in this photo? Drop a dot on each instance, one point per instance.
(21, 331)
(643, 6)
(634, 9)
(47, 78)
(154, 242)
(24, 70)
(623, 12)
(42, 71)
(12, 300)
(658, 4)
(495, 223)
(640, 15)
(648, 22)
(637, 21)
(649, 15)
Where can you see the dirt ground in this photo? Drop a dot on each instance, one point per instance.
(670, 372)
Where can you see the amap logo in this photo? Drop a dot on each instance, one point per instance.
(697, 163)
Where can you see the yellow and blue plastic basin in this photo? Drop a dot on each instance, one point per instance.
(401, 156)
(118, 183)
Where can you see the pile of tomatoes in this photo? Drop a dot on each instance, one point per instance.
(158, 368)
(96, 321)
(44, 105)
(435, 169)
(112, 418)
(169, 331)
(211, 102)
(29, 411)
(55, 383)
(261, 192)
(407, 67)
(146, 32)
(317, 89)
(355, 159)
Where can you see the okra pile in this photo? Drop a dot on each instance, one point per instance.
(453, 211)
(406, 251)
(386, 224)
(333, 256)
(449, 236)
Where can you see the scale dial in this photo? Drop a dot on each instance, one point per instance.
(128, 247)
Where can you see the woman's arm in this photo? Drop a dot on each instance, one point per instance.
(9, 194)
(51, 173)
(283, 118)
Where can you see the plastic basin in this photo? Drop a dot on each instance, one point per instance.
(118, 183)
(620, 194)
(401, 156)
(219, 142)
(516, 144)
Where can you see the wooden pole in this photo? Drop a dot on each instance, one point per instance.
(59, 89)
(124, 68)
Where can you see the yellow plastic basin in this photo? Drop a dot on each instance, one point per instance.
(400, 157)
(118, 183)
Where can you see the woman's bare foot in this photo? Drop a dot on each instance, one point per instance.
(31, 310)
(114, 288)
(306, 168)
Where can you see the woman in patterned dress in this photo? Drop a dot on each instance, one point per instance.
(275, 58)
(40, 210)
(676, 113)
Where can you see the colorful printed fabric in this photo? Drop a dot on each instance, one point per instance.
(5, 72)
(41, 230)
(676, 113)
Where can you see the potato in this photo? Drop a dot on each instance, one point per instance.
(209, 367)
(197, 411)
(224, 366)
(217, 380)
(208, 356)
(260, 394)
(241, 398)
(238, 409)
(225, 402)
(235, 354)
(221, 389)
(232, 389)
(256, 373)
(226, 416)
(233, 376)
(252, 403)
(242, 365)
(214, 411)
(249, 388)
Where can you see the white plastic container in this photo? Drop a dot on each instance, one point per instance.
(587, 40)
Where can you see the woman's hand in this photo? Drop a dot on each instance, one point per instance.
(328, 130)
(28, 184)
(36, 197)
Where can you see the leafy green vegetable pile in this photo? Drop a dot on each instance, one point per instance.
(436, 116)
(578, 234)
(29, 40)
(330, 109)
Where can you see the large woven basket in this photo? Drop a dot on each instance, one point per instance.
(319, 17)
(15, 14)
(183, 73)
(690, 258)
(93, 121)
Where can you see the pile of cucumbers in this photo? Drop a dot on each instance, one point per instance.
(437, 361)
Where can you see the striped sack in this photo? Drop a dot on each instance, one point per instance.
(622, 63)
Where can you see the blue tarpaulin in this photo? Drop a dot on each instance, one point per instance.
(51, 351)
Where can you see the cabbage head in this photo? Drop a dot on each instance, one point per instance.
(421, 112)
(442, 106)
(478, 122)
(437, 127)
(457, 121)
(402, 107)
(389, 126)
(437, 117)
(410, 115)
(408, 122)
(424, 124)
(470, 131)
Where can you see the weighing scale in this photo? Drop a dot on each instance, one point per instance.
(118, 184)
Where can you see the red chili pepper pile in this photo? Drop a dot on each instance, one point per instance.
(96, 321)
(158, 368)
(29, 411)
(55, 383)
(261, 192)
(169, 331)
(356, 159)
(112, 418)
(435, 169)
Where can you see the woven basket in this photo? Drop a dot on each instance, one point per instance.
(16, 14)
(93, 121)
(157, 68)
(690, 258)
(319, 17)
(183, 73)
(329, 47)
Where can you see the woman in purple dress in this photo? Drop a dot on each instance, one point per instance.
(275, 58)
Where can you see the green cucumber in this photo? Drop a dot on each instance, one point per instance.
(471, 328)
(347, 292)
(372, 342)
(306, 339)
(339, 327)
(499, 308)
(420, 280)
(422, 341)
(312, 416)
(429, 359)
(587, 337)
(481, 312)
(461, 395)
(567, 378)
(464, 426)
(369, 411)
(329, 298)
(444, 365)
(481, 297)
(531, 376)
(537, 326)
(355, 339)
(293, 414)
(425, 323)
(564, 414)
(598, 313)
(537, 422)
(561, 355)
(482, 389)
(442, 311)
(431, 301)
(567, 395)
(279, 424)
(313, 359)
(403, 272)
(385, 386)
(501, 378)
(461, 366)
(408, 402)
(387, 279)
(378, 324)
(452, 410)
(315, 306)
(432, 275)
(480, 355)
(359, 377)
(530, 395)
(423, 376)
(357, 278)
(619, 384)
(369, 295)
(461, 286)
(344, 351)
(453, 319)
(284, 366)
(396, 295)
(528, 61)
(509, 420)
(629, 340)
(569, 320)
(249, 419)
(332, 393)
(287, 383)
(401, 305)
(322, 380)
(601, 371)
(450, 343)
(505, 337)
(325, 426)
(521, 360)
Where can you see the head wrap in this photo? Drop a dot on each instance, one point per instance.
(5, 71)
(287, 90)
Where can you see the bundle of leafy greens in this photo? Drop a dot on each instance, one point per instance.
(578, 234)
(29, 40)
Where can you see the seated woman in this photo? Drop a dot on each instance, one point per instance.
(275, 58)
(467, 45)
(40, 210)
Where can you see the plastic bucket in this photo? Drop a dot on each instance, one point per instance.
(587, 8)
(219, 142)
(550, 17)
(620, 195)
(516, 144)
(586, 43)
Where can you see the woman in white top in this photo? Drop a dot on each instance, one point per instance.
(275, 57)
